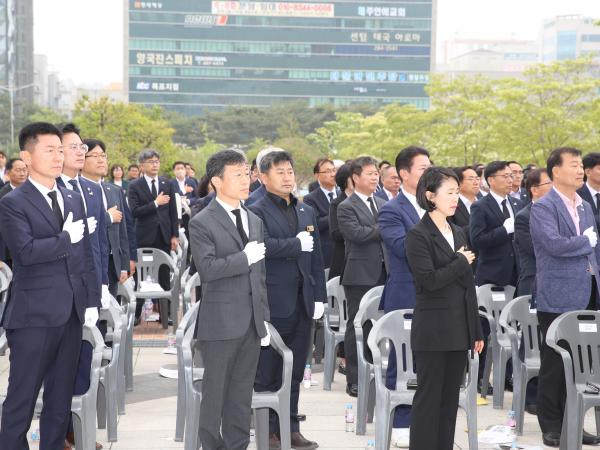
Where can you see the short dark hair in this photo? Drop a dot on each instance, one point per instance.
(29, 133)
(342, 176)
(10, 163)
(2, 153)
(133, 166)
(591, 160)
(383, 163)
(93, 143)
(404, 159)
(358, 164)
(534, 177)
(178, 163)
(555, 157)
(460, 172)
(145, 155)
(274, 158)
(70, 128)
(319, 163)
(493, 168)
(253, 165)
(215, 166)
(203, 187)
(478, 168)
(430, 181)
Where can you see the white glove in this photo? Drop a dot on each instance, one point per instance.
(509, 224)
(105, 299)
(592, 236)
(266, 341)
(254, 252)
(319, 310)
(306, 241)
(91, 316)
(92, 223)
(75, 229)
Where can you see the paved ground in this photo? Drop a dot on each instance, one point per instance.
(150, 419)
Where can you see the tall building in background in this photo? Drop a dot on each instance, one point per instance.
(194, 55)
(16, 48)
(568, 37)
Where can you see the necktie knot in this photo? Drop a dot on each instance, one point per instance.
(73, 183)
(330, 195)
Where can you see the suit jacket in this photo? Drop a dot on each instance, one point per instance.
(256, 195)
(364, 249)
(130, 225)
(50, 275)
(191, 196)
(525, 253)
(524, 196)
(313, 185)
(320, 203)
(446, 317)
(396, 218)
(151, 220)
(255, 185)
(117, 232)
(233, 293)
(583, 192)
(5, 189)
(562, 281)
(4, 252)
(461, 218)
(494, 246)
(338, 252)
(95, 208)
(288, 267)
(382, 195)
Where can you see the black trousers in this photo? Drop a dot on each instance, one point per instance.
(47, 355)
(436, 401)
(227, 391)
(295, 333)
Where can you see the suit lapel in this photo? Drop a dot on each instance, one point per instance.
(562, 209)
(492, 204)
(438, 238)
(322, 201)
(360, 206)
(253, 226)
(407, 206)
(37, 199)
(273, 210)
(222, 217)
(146, 189)
(67, 200)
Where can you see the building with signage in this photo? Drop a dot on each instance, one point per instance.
(194, 55)
(568, 37)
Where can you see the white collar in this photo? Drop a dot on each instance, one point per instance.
(592, 190)
(99, 183)
(67, 178)
(466, 201)
(499, 199)
(389, 195)
(226, 206)
(363, 197)
(43, 189)
(149, 179)
(326, 192)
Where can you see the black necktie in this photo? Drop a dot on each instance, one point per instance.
(373, 209)
(330, 195)
(238, 224)
(56, 208)
(75, 186)
(153, 190)
(598, 201)
(505, 210)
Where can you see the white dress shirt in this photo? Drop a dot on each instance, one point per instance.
(44, 191)
(69, 186)
(229, 208)
(593, 193)
(365, 200)
(326, 192)
(181, 184)
(413, 201)
(466, 202)
(388, 194)
(499, 201)
(450, 238)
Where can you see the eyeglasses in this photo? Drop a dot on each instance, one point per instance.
(152, 161)
(505, 176)
(471, 179)
(327, 172)
(542, 184)
(99, 156)
(83, 147)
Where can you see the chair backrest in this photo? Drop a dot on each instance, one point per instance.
(517, 317)
(336, 311)
(580, 330)
(394, 326)
(492, 299)
(368, 309)
(191, 283)
(286, 354)
(188, 320)
(376, 291)
(150, 260)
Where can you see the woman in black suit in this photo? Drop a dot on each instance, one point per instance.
(446, 321)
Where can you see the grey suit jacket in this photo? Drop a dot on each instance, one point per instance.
(117, 232)
(364, 248)
(233, 293)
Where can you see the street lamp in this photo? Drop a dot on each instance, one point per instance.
(11, 91)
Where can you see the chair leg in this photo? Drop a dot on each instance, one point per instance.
(111, 410)
(164, 312)
(329, 362)
(518, 405)
(499, 368)
(487, 370)
(121, 391)
(371, 403)
(284, 428)
(362, 399)
(382, 427)
(129, 363)
(180, 418)
(261, 428)
(101, 404)
(192, 420)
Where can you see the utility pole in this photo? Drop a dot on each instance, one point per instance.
(11, 93)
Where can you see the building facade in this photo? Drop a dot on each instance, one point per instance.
(194, 55)
(569, 37)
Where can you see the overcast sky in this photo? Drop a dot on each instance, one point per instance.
(83, 39)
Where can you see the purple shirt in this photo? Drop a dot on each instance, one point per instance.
(572, 207)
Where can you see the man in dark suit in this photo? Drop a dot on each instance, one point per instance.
(518, 191)
(320, 199)
(51, 254)
(96, 167)
(365, 265)
(16, 171)
(590, 191)
(254, 180)
(343, 180)
(227, 244)
(182, 185)
(153, 205)
(469, 184)
(295, 283)
(391, 182)
(260, 191)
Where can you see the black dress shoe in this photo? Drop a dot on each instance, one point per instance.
(300, 417)
(551, 439)
(508, 385)
(352, 390)
(342, 369)
(531, 409)
(490, 390)
(590, 439)
(299, 442)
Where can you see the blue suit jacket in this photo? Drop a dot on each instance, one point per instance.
(494, 247)
(50, 274)
(320, 203)
(285, 260)
(562, 281)
(396, 218)
(382, 195)
(191, 196)
(256, 195)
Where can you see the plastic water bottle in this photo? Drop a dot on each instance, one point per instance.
(148, 308)
(307, 376)
(35, 435)
(370, 445)
(514, 445)
(511, 421)
(349, 418)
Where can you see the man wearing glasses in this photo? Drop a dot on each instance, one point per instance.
(518, 191)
